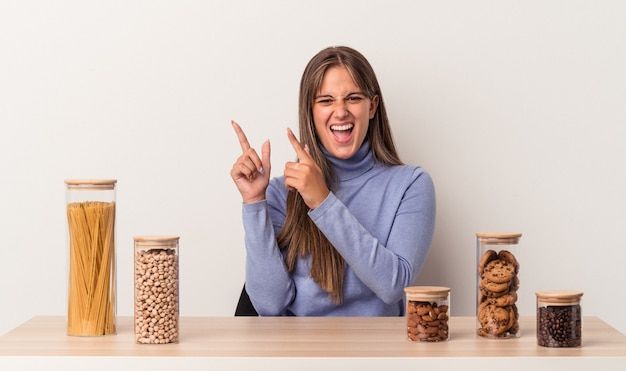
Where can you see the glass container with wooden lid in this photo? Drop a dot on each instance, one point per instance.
(156, 289)
(90, 208)
(427, 313)
(497, 282)
(559, 318)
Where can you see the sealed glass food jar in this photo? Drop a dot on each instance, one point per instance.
(559, 318)
(497, 282)
(427, 313)
(90, 207)
(156, 290)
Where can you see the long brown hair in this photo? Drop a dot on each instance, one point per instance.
(299, 235)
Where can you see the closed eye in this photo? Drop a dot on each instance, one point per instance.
(328, 100)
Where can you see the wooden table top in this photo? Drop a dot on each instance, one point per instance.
(301, 337)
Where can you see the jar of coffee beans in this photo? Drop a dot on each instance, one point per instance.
(427, 313)
(497, 282)
(156, 290)
(559, 318)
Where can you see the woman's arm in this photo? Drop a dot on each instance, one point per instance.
(269, 285)
(388, 269)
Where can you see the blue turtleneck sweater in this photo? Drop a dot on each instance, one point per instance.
(380, 219)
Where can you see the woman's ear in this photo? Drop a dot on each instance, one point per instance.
(373, 106)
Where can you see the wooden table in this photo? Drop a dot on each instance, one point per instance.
(301, 343)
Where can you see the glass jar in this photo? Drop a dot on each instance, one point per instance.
(156, 290)
(497, 282)
(559, 318)
(427, 313)
(90, 207)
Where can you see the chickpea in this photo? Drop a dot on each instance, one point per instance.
(156, 308)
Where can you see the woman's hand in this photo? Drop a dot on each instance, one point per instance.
(305, 176)
(250, 173)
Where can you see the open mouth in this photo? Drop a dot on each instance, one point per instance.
(342, 132)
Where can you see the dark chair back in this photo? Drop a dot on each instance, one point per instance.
(244, 306)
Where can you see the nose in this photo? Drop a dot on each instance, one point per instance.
(341, 109)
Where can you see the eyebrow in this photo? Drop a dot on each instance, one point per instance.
(347, 95)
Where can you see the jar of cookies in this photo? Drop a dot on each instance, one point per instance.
(156, 290)
(559, 318)
(90, 208)
(497, 282)
(427, 313)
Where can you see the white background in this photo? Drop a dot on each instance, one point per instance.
(516, 108)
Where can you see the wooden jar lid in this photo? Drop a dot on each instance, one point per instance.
(559, 294)
(427, 292)
(91, 183)
(155, 242)
(489, 238)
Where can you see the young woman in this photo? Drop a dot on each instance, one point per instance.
(347, 226)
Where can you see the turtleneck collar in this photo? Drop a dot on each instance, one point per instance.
(358, 164)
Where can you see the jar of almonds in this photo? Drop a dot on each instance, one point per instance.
(156, 290)
(497, 282)
(427, 313)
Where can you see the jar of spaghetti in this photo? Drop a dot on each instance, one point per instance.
(90, 207)
(156, 290)
(497, 282)
(427, 313)
(559, 318)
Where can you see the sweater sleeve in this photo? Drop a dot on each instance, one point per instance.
(386, 270)
(268, 282)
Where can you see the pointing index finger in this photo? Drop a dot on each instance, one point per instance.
(300, 152)
(243, 140)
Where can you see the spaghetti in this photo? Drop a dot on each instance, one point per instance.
(91, 302)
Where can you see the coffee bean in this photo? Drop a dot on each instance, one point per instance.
(559, 326)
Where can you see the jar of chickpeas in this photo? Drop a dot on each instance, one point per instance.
(156, 290)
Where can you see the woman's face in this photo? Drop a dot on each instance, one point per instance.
(341, 113)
